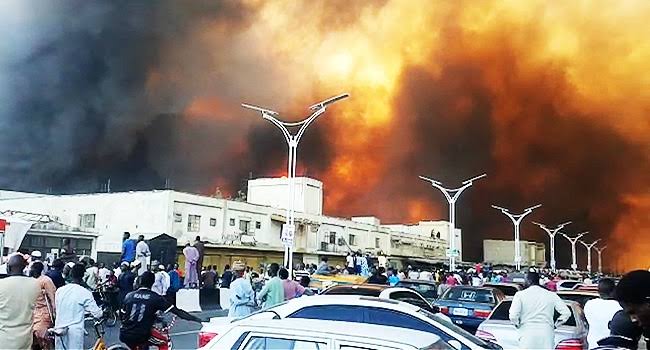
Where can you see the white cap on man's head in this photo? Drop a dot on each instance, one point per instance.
(161, 266)
(37, 254)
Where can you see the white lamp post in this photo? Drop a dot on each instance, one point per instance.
(516, 220)
(551, 233)
(293, 140)
(452, 195)
(600, 258)
(574, 261)
(589, 246)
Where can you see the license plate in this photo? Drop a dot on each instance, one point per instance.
(459, 311)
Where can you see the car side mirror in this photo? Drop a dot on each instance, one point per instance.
(455, 344)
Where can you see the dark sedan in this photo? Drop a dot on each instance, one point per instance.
(469, 306)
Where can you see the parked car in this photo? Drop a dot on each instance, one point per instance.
(406, 295)
(508, 289)
(578, 296)
(586, 287)
(358, 309)
(428, 289)
(469, 306)
(570, 336)
(321, 335)
(566, 284)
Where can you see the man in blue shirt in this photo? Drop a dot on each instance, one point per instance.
(128, 248)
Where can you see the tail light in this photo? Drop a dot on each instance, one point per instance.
(486, 335)
(205, 337)
(482, 313)
(444, 310)
(570, 344)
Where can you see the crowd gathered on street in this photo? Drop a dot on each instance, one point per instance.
(38, 295)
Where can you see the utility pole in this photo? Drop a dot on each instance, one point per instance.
(516, 221)
(574, 240)
(589, 246)
(600, 258)
(289, 229)
(551, 233)
(452, 194)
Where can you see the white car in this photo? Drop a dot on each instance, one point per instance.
(297, 334)
(359, 309)
(566, 284)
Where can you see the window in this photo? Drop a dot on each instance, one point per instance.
(411, 298)
(193, 223)
(213, 222)
(232, 222)
(469, 294)
(87, 220)
(345, 313)
(263, 343)
(397, 319)
(178, 217)
(244, 225)
(332, 238)
(258, 225)
(36, 241)
(352, 240)
(377, 242)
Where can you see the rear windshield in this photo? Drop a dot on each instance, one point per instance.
(369, 292)
(501, 313)
(579, 298)
(569, 284)
(507, 290)
(469, 294)
(426, 290)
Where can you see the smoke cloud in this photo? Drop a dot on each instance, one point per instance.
(549, 99)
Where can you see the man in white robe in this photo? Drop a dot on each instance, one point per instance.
(141, 254)
(72, 303)
(532, 312)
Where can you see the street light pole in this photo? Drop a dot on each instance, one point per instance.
(516, 220)
(600, 258)
(574, 261)
(551, 233)
(452, 195)
(293, 140)
(589, 246)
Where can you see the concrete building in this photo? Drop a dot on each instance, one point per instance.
(500, 252)
(235, 230)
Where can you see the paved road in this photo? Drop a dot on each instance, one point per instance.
(184, 333)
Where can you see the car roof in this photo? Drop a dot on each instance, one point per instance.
(508, 284)
(417, 282)
(578, 292)
(368, 287)
(394, 334)
(348, 299)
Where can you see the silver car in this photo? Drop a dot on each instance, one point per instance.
(498, 328)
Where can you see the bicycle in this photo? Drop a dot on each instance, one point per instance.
(107, 305)
(98, 325)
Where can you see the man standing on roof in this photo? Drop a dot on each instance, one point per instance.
(142, 253)
(532, 312)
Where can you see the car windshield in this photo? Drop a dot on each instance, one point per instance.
(507, 290)
(426, 290)
(469, 336)
(501, 313)
(470, 294)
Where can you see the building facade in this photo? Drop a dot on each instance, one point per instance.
(235, 230)
(501, 252)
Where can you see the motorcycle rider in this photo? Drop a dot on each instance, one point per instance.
(139, 310)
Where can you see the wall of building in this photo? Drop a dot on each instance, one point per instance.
(228, 224)
(273, 192)
(503, 252)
